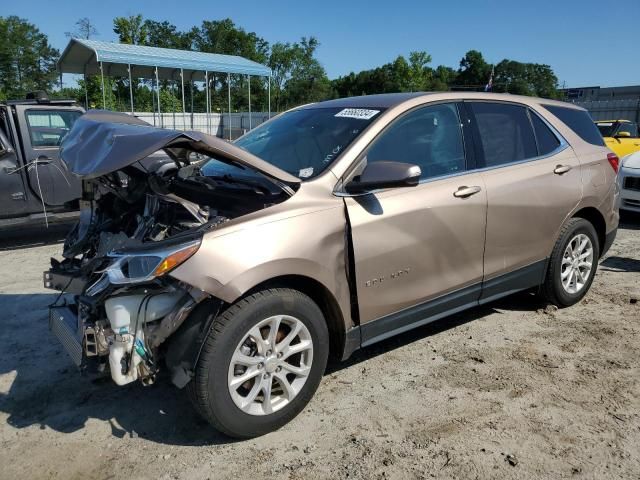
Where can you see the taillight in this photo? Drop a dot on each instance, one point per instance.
(614, 161)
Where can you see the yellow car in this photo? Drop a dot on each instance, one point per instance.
(621, 136)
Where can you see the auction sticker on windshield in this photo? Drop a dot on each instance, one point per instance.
(359, 113)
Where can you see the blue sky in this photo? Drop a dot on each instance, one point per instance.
(586, 42)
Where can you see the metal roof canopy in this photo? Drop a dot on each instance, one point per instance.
(91, 57)
(84, 57)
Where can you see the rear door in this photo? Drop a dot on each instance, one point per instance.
(415, 244)
(43, 128)
(533, 182)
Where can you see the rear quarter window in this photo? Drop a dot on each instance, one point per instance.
(580, 122)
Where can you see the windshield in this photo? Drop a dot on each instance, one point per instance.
(606, 128)
(305, 142)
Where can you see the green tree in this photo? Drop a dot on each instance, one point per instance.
(298, 76)
(474, 71)
(225, 37)
(420, 74)
(131, 29)
(401, 75)
(167, 35)
(525, 79)
(281, 61)
(443, 77)
(27, 60)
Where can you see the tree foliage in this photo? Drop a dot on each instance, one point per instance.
(27, 60)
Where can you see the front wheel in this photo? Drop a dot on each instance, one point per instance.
(261, 363)
(573, 263)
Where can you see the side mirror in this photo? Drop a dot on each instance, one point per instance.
(384, 174)
(622, 135)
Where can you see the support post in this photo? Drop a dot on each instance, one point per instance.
(153, 100)
(249, 87)
(191, 90)
(86, 90)
(160, 122)
(208, 106)
(104, 98)
(130, 88)
(184, 110)
(174, 91)
(269, 94)
(229, 95)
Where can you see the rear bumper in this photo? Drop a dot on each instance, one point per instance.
(629, 197)
(65, 325)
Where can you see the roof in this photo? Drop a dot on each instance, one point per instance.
(381, 100)
(390, 100)
(84, 56)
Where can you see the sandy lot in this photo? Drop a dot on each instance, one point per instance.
(514, 389)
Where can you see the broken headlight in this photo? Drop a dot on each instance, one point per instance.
(143, 266)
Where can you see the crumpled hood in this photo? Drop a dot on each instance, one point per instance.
(631, 161)
(103, 142)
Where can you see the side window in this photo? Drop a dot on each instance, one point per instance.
(47, 127)
(580, 122)
(631, 128)
(430, 137)
(545, 138)
(505, 132)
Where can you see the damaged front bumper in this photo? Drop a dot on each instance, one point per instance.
(124, 331)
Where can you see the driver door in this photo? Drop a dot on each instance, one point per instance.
(419, 250)
(43, 128)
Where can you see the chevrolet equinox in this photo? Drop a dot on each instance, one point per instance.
(238, 268)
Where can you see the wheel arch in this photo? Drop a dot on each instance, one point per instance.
(322, 297)
(593, 216)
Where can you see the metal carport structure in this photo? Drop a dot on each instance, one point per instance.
(91, 57)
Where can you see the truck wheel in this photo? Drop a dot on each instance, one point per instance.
(261, 363)
(573, 263)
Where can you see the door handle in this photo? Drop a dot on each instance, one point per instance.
(464, 192)
(42, 160)
(560, 169)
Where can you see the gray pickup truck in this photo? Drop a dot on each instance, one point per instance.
(35, 187)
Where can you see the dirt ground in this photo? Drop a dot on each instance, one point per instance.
(514, 389)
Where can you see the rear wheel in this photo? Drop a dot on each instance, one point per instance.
(573, 263)
(261, 363)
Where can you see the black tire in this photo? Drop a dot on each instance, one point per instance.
(209, 389)
(552, 289)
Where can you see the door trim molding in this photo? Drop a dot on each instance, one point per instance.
(477, 294)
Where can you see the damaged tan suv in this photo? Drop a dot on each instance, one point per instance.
(239, 268)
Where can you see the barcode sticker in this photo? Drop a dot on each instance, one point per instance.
(359, 113)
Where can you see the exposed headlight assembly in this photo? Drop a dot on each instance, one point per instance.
(143, 266)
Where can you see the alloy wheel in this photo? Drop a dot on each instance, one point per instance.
(577, 263)
(270, 365)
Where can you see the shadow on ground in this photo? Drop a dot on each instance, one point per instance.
(629, 220)
(26, 237)
(47, 390)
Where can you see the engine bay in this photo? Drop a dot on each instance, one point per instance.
(135, 225)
